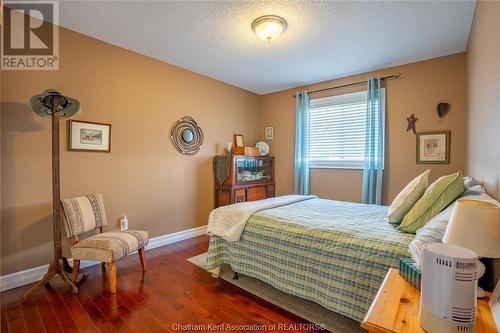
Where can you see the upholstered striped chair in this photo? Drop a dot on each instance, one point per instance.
(86, 213)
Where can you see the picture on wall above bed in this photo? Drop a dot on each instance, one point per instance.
(433, 147)
(87, 136)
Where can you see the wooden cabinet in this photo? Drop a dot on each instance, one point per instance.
(243, 178)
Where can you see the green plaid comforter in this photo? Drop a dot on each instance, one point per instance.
(333, 253)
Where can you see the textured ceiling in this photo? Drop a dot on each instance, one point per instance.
(324, 40)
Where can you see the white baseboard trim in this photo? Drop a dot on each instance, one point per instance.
(30, 275)
(176, 237)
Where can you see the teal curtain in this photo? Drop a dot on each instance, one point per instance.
(302, 143)
(374, 143)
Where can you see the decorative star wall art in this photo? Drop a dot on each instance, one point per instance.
(411, 123)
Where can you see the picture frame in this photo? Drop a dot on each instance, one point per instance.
(89, 136)
(269, 133)
(433, 147)
(238, 140)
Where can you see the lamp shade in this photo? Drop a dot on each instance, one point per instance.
(42, 104)
(475, 225)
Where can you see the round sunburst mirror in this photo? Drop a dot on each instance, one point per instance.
(186, 136)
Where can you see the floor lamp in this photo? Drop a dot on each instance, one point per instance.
(52, 104)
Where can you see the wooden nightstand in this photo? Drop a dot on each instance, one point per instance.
(395, 308)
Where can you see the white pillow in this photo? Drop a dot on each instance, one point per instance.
(470, 181)
(431, 232)
(405, 200)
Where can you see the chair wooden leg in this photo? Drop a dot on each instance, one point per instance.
(142, 256)
(112, 277)
(103, 266)
(76, 267)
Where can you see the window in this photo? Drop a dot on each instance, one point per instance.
(337, 131)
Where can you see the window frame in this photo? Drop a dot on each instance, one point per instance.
(339, 100)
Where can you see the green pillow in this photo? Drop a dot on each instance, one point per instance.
(438, 196)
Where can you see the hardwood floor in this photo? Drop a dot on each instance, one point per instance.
(173, 292)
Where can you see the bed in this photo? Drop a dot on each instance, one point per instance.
(330, 252)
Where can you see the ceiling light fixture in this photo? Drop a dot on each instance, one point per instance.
(269, 27)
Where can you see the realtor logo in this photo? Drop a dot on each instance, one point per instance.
(30, 35)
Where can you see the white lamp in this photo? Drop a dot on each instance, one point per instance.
(475, 225)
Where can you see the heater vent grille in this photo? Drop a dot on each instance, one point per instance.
(466, 271)
(460, 276)
(465, 265)
(443, 262)
(464, 328)
(463, 315)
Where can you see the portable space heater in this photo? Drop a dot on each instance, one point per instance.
(449, 280)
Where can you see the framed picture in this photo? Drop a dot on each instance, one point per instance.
(238, 140)
(433, 147)
(87, 136)
(269, 133)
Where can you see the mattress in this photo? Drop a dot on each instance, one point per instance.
(330, 252)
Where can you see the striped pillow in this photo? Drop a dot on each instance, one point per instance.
(437, 196)
(83, 214)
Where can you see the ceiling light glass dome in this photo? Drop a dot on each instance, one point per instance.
(269, 27)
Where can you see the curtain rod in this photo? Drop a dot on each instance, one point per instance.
(390, 77)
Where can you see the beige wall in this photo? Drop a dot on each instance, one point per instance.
(423, 85)
(483, 69)
(144, 177)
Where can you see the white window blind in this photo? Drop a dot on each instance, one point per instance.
(337, 131)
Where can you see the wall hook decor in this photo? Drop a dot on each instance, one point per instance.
(411, 123)
(443, 109)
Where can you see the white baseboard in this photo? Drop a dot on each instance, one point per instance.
(176, 237)
(30, 275)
